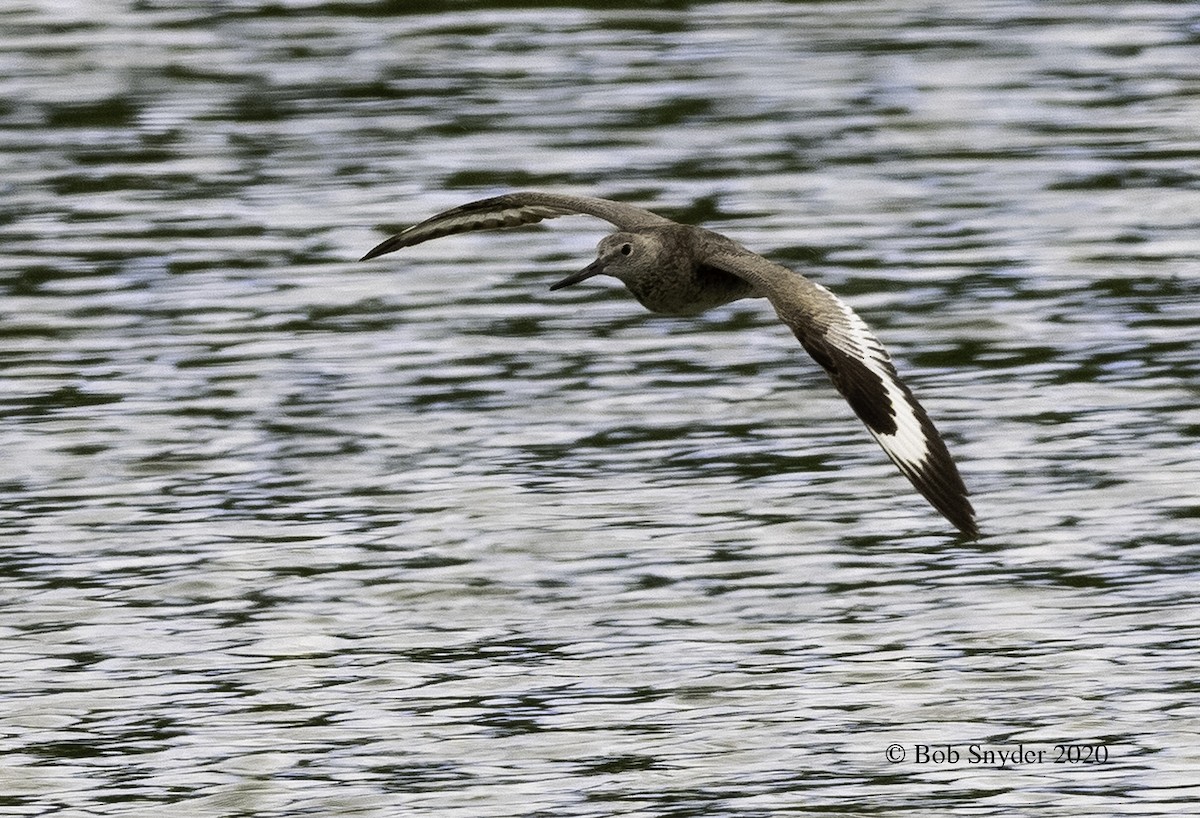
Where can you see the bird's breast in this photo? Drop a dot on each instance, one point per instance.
(688, 291)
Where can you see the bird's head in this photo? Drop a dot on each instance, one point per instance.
(626, 256)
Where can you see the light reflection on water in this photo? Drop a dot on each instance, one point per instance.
(286, 533)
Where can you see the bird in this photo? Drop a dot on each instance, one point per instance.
(682, 270)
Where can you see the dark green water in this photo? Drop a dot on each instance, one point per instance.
(285, 534)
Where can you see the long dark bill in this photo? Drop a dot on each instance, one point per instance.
(593, 269)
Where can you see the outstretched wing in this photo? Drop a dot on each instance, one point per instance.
(514, 210)
(862, 371)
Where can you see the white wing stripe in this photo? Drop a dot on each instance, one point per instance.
(908, 447)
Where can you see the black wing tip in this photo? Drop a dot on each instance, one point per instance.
(374, 252)
(384, 247)
(952, 503)
(964, 521)
(942, 486)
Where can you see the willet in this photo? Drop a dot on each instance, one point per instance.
(680, 269)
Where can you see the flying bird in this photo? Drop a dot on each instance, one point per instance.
(681, 269)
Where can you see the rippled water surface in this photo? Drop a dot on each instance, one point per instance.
(286, 534)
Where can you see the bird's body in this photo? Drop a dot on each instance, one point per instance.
(679, 269)
(672, 278)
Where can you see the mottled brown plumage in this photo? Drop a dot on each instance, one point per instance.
(678, 269)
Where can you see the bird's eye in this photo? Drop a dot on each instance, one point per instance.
(626, 249)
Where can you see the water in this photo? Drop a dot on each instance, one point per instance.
(286, 534)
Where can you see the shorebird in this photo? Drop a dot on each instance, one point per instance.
(681, 269)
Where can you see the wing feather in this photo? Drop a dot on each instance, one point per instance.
(515, 210)
(861, 369)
